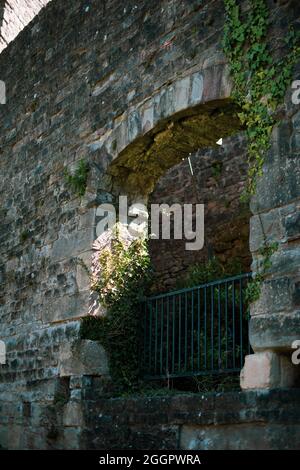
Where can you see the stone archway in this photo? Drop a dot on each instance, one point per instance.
(162, 131)
(180, 117)
(190, 113)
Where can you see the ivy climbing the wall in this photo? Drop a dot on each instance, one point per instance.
(260, 83)
(122, 282)
(260, 79)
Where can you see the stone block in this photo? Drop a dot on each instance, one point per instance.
(73, 415)
(279, 185)
(134, 125)
(147, 117)
(67, 307)
(267, 370)
(265, 226)
(254, 436)
(67, 246)
(82, 357)
(76, 394)
(196, 88)
(277, 295)
(182, 94)
(285, 260)
(292, 226)
(72, 438)
(274, 332)
(82, 271)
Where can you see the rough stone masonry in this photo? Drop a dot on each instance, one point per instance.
(103, 80)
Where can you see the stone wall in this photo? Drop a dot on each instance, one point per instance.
(15, 15)
(81, 80)
(230, 421)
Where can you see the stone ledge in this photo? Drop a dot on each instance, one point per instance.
(210, 408)
(209, 421)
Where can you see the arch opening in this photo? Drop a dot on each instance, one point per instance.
(154, 169)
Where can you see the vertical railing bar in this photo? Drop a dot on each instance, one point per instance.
(205, 328)
(156, 327)
(144, 310)
(192, 337)
(198, 332)
(150, 336)
(179, 334)
(161, 334)
(226, 324)
(185, 330)
(241, 323)
(173, 335)
(233, 322)
(247, 316)
(219, 328)
(212, 329)
(167, 345)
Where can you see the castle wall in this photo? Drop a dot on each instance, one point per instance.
(72, 75)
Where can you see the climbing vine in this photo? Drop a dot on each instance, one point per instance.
(260, 82)
(260, 79)
(123, 279)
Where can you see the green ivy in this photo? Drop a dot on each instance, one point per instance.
(260, 83)
(125, 276)
(78, 180)
(260, 79)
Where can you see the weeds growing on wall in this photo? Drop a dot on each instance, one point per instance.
(78, 180)
(253, 290)
(125, 276)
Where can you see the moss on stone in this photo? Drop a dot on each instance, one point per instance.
(142, 163)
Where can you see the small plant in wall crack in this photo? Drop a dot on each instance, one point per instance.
(77, 181)
(253, 290)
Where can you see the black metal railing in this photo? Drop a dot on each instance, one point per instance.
(196, 331)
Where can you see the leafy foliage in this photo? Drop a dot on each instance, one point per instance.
(201, 273)
(260, 79)
(260, 84)
(125, 275)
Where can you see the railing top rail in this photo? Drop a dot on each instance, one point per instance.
(200, 286)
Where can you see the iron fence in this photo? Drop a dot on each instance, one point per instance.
(196, 331)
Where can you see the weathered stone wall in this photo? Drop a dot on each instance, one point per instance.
(81, 78)
(230, 421)
(219, 179)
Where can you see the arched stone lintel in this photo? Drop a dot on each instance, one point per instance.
(198, 87)
(192, 112)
